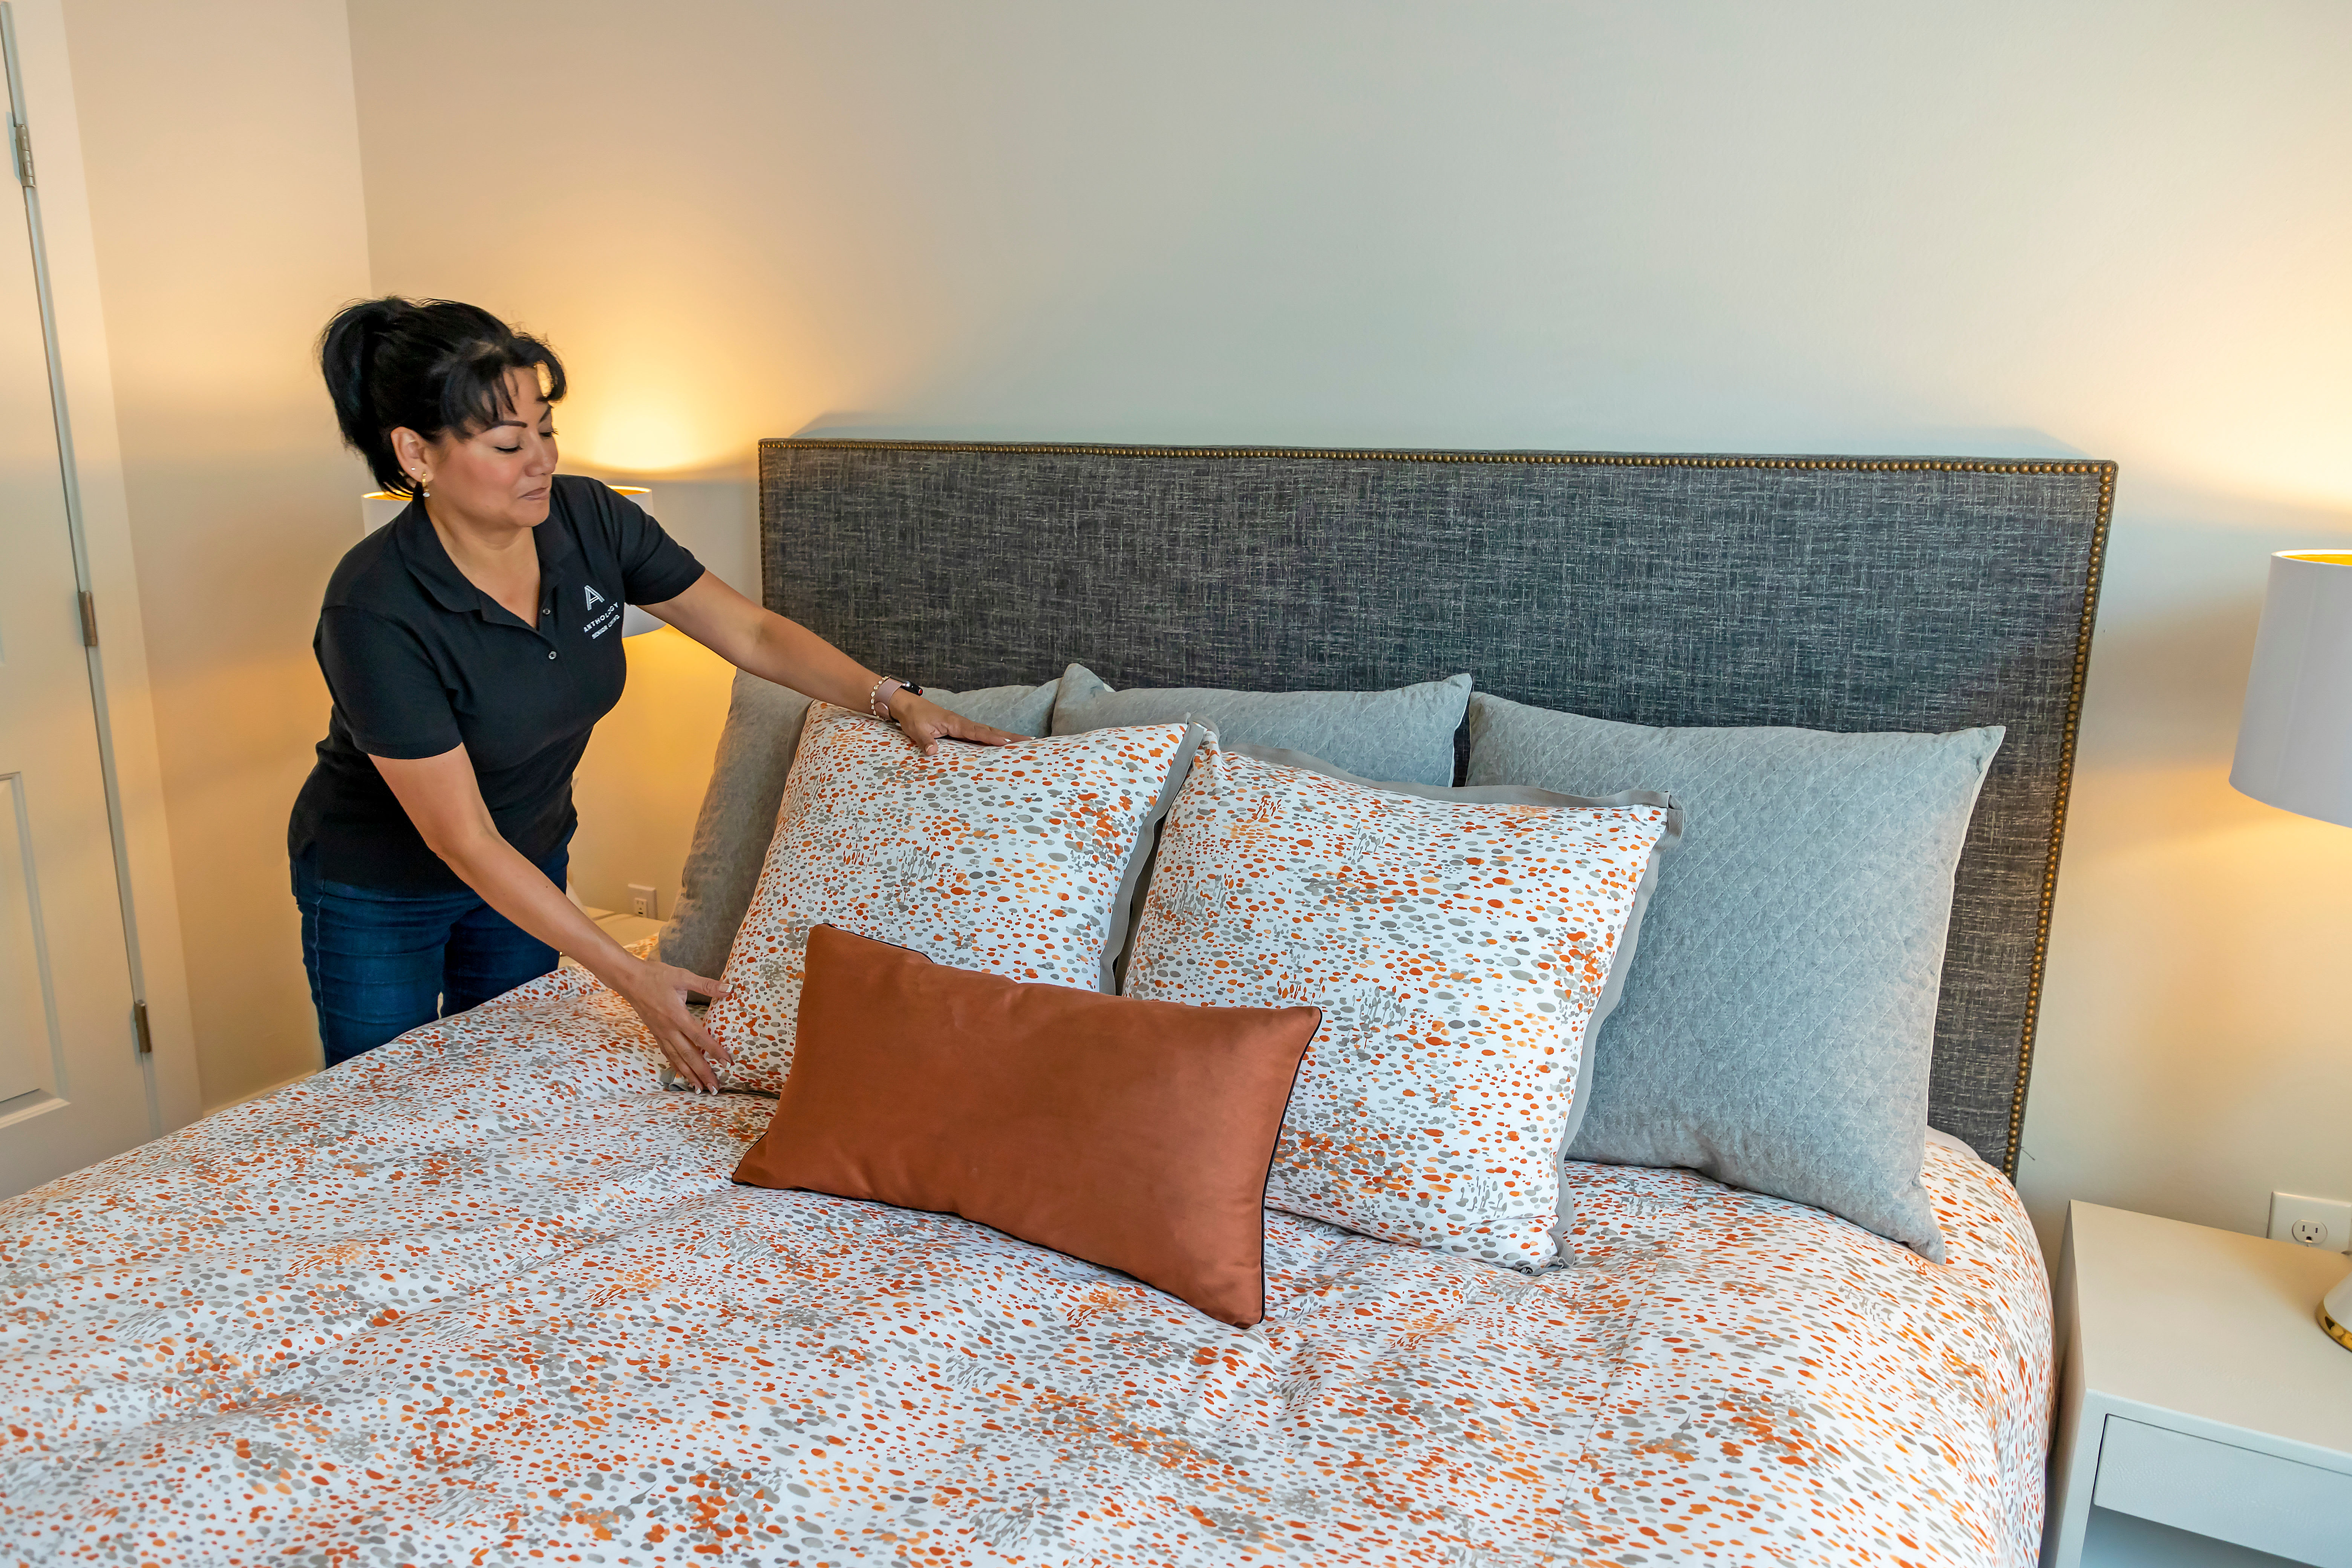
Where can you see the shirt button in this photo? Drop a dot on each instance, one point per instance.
(551, 653)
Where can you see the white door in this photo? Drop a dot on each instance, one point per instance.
(72, 1088)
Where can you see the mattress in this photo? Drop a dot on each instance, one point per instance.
(486, 1296)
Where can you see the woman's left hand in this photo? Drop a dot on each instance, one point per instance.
(927, 724)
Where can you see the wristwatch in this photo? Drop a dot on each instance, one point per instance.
(878, 702)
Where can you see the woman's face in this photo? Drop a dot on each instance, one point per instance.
(498, 475)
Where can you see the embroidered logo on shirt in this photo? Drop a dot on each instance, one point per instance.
(599, 625)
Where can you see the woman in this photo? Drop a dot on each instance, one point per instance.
(470, 646)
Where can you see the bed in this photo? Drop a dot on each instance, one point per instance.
(487, 1295)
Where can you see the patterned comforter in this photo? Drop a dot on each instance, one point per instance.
(486, 1297)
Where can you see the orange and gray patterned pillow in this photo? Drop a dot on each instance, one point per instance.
(1580, 1097)
(1010, 859)
(1458, 952)
(747, 780)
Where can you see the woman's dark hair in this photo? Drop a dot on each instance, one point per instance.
(432, 365)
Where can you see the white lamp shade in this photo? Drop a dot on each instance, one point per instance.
(635, 622)
(378, 508)
(2294, 738)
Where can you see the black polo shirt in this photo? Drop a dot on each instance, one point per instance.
(419, 660)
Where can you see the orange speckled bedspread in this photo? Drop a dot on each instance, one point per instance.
(486, 1296)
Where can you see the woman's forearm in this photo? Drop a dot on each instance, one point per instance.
(444, 799)
(791, 655)
(520, 891)
(765, 644)
(756, 639)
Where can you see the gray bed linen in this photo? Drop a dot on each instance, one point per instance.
(738, 818)
(1406, 732)
(1777, 1029)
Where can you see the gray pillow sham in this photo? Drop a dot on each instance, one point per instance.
(747, 782)
(1580, 1092)
(1135, 882)
(1406, 733)
(1777, 1033)
(1021, 709)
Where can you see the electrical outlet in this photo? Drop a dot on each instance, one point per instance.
(643, 901)
(2323, 1223)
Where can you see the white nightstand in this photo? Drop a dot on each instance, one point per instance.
(2198, 1391)
(622, 928)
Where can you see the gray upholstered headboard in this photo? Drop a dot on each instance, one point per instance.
(1837, 593)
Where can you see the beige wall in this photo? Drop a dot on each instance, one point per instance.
(224, 175)
(2107, 228)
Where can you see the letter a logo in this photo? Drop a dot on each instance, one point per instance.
(595, 598)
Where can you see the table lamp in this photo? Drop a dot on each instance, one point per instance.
(380, 507)
(635, 622)
(2294, 738)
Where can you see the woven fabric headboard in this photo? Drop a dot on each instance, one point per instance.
(1835, 592)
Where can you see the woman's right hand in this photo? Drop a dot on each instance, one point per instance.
(657, 991)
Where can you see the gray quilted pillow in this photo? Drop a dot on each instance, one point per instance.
(747, 784)
(1406, 733)
(1777, 1024)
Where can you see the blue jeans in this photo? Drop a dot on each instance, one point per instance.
(382, 963)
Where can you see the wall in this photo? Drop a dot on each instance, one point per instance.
(2112, 229)
(222, 168)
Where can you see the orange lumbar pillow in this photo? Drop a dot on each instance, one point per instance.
(1129, 1134)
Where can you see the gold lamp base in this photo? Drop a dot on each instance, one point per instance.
(2335, 1312)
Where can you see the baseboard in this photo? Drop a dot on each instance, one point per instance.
(257, 1094)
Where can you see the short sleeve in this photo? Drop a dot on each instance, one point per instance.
(654, 566)
(384, 685)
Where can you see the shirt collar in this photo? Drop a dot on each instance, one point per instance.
(428, 561)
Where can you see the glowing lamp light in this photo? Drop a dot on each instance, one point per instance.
(380, 507)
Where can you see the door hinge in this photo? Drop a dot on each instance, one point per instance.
(146, 1035)
(20, 142)
(89, 620)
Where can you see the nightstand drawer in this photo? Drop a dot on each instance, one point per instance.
(2229, 1493)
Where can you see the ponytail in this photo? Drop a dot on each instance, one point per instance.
(427, 366)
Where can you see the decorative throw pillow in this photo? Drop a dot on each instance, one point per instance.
(1007, 859)
(1628, 945)
(1777, 1032)
(1131, 1134)
(747, 780)
(1019, 710)
(1406, 733)
(1457, 951)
